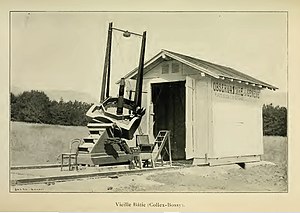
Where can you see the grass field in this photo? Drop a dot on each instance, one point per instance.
(276, 150)
(40, 144)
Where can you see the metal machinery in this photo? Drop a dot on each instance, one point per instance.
(115, 119)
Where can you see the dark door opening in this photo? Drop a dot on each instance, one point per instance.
(169, 114)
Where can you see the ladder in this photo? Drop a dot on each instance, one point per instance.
(162, 137)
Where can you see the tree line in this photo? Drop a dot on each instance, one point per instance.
(274, 120)
(36, 107)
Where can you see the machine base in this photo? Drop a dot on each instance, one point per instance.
(103, 159)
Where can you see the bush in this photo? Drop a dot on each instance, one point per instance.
(274, 120)
(36, 107)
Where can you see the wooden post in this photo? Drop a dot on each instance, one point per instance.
(139, 80)
(104, 93)
(109, 58)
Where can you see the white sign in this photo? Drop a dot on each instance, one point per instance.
(234, 90)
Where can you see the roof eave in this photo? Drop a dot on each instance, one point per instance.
(260, 85)
(202, 70)
(163, 52)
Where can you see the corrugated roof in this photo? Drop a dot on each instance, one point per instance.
(211, 69)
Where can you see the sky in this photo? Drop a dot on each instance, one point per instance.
(65, 50)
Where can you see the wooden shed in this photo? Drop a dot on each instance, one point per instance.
(214, 112)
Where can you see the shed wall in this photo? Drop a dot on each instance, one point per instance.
(237, 124)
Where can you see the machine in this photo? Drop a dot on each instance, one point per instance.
(115, 119)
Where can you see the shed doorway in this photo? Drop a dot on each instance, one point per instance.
(169, 114)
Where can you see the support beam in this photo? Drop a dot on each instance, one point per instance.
(139, 83)
(109, 59)
(106, 71)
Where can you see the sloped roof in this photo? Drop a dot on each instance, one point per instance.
(206, 68)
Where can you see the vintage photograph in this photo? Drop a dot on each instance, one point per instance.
(141, 102)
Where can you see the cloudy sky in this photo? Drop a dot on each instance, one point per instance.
(65, 50)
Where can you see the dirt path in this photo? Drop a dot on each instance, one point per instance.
(257, 177)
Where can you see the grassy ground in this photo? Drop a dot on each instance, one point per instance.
(38, 144)
(275, 150)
